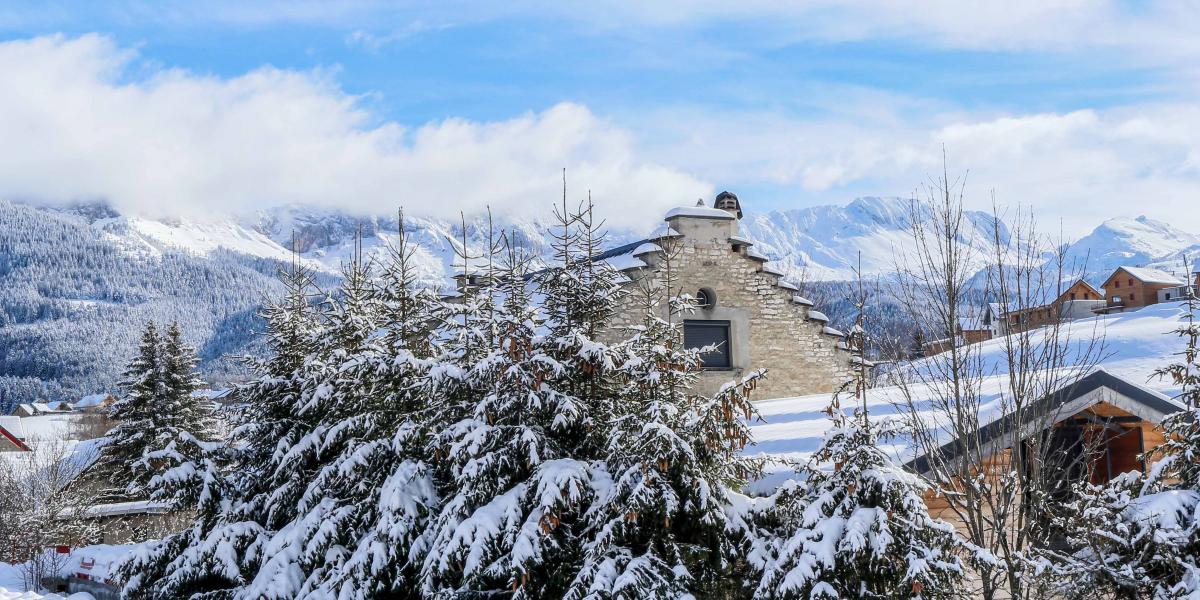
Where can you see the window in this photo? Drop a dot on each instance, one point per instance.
(1130, 283)
(1087, 295)
(1072, 295)
(706, 298)
(1132, 297)
(1168, 295)
(698, 334)
(1118, 284)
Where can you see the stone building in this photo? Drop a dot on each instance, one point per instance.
(755, 317)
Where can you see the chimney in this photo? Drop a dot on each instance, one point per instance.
(728, 201)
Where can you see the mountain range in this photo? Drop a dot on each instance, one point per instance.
(79, 282)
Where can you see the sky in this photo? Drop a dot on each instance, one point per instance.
(1079, 110)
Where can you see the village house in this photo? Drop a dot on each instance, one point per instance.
(977, 326)
(94, 403)
(1136, 287)
(1103, 422)
(35, 409)
(747, 309)
(1078, 301)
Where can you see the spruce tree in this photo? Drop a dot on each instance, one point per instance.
(373, 499)
(300, 552)
(182, 456)
(222, 550)
(855, 524)
(514, 487)
(143, 388)
(659, 526)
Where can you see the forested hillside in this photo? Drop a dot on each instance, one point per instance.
(74, 299)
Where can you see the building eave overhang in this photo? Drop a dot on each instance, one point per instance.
(1068, 401)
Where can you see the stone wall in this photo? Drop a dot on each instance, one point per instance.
(769, 328)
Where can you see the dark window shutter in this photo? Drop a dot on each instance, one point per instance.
(698, 334)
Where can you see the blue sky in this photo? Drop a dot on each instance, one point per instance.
(1052, 104)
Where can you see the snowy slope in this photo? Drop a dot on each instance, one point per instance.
(1135, 344)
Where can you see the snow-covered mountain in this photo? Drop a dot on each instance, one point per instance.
(824, 242)
(1133, 242)
(324, 238)
(820, 243)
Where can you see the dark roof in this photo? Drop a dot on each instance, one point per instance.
(619, 250)
(1093, 381)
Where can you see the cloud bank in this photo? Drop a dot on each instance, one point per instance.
(82, 121)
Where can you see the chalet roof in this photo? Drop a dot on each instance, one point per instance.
(13, 425)
(1149, 275)
(1066, 402)
(1095, 290)
(41, 408)
(12, 430)
(90, 401)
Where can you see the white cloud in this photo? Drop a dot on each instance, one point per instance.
(77, 123)
(1077, 167)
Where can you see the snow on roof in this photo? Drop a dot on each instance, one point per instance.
(771, 269)
(53, 426)
(137, 507)
(827, 330)
(1137, 343)
(208, 394)
(787, 285)
(664, 231)
(756, 255)
(741, 241)
(1149, 275)
(38, 408)
(816, 315)
(699, 212)
(798, 299)
(13, 426)
(647, 248)
(625, 262)
(90, 401)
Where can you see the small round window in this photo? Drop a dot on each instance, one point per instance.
(706, 298)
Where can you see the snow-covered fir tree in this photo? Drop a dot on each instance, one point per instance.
(659, 526)
(301, 554)
(156, 449)
(1138, 536)
(183, 454)
(222, 550)
(857, 527)
(855, 524)
(142, 387)
(368, 506)
(513, 487)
